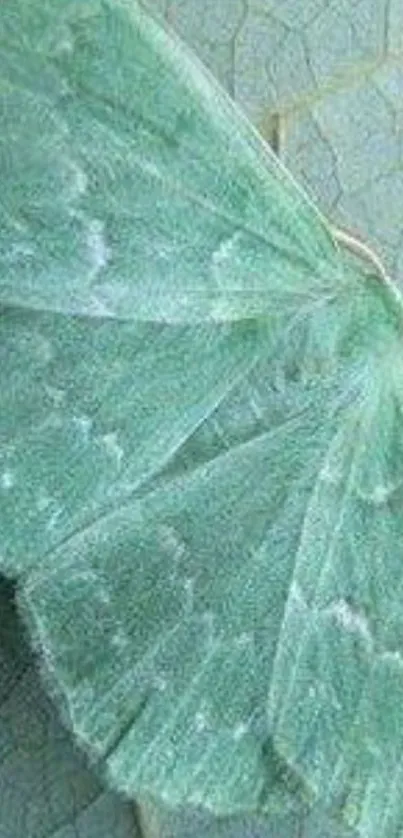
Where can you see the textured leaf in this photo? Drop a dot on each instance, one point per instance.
(327, 77)
(202, 448)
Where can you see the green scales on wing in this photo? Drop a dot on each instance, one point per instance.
(201, 434)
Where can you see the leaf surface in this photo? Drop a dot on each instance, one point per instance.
(322, 81)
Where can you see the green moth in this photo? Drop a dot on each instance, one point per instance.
(201, 434)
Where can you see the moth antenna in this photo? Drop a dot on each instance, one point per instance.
(360, 249)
